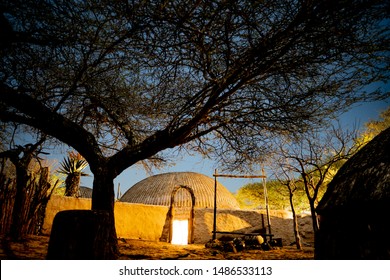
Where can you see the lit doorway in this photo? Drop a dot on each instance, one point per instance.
(180, 232)
(181, 215)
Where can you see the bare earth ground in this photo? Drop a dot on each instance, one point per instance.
(35, 248)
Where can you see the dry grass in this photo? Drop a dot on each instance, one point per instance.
(35, 248)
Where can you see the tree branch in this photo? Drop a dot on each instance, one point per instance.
(39, 116)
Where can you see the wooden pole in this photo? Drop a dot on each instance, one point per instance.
(266, 204)
(215, 207)
(118, 193)
(238, 176)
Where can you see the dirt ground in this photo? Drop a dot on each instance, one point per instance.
(35, 248)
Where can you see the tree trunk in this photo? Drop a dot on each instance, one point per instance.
(19, 213)
(88, 234)
(314, 217)
(295, 224)
(72, 184)
(103, 198)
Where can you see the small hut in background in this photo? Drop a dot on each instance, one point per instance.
(354, 212)
(85, 192)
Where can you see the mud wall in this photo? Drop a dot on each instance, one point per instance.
(134, 221)
(146, 222)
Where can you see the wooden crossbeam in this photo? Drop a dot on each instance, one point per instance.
(239, 176)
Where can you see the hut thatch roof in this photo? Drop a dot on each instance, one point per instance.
(85, 192)
(364, 180)
(157, 190)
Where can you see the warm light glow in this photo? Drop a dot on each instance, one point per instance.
(180, 232)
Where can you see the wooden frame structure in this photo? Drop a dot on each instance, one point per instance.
(263, 176)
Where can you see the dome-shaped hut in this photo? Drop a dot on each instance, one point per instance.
(354, 211)
(157, 190)
(182, 192)
(85, 192)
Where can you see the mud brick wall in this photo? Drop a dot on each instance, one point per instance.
(148, 222)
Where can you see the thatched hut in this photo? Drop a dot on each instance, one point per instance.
(182, 192)
(157, 190)
(85, 192)
(354, 211)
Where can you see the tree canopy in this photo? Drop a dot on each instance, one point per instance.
(121, 81)
(374, 127)
(143, 76)
(251, 196)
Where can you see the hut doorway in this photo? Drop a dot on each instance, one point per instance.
(181, 213)
(180, 232)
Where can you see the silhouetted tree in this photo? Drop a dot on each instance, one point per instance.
(287, 180)
(22, 157)
(121, 81)
(314, 159)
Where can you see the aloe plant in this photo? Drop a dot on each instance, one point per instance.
(73, 166)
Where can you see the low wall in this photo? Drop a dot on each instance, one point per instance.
(134, 221)
(146, 222)
(60, 203)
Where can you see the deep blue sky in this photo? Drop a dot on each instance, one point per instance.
(359, 115)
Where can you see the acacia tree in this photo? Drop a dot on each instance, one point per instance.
(314, 159)
(121, 81)
(251, 196)
(292, 188)
(284, 175)
(374, 127)
(281, 193)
